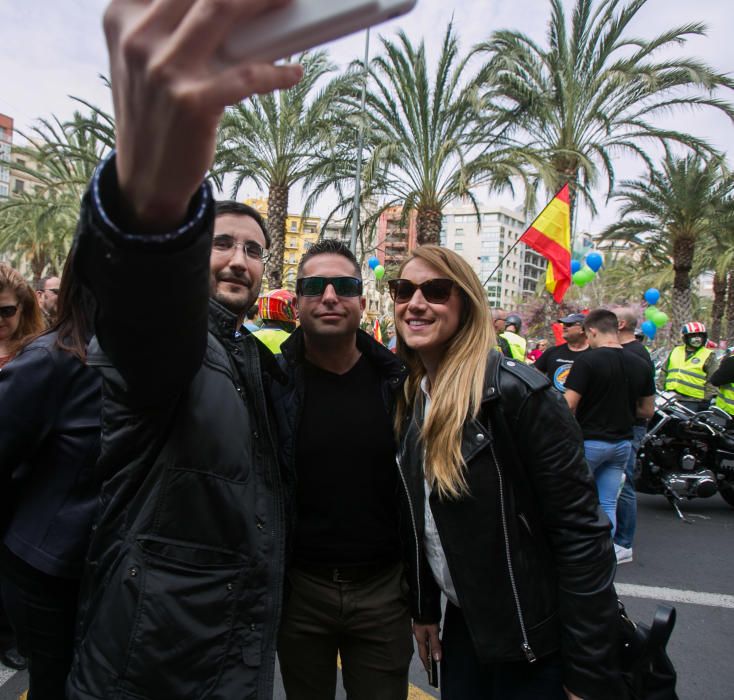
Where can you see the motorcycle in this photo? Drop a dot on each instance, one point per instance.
(686, 454)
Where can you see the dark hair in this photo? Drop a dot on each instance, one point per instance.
(76, 310)
(41, 287)
(252, 312)
(229, 206)
(602, 320)
(329, 246)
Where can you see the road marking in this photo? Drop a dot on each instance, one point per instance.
(5, 674)
(675, 595)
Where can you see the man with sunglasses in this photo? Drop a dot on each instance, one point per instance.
(556, 362)
(346, 589)
(48, 297)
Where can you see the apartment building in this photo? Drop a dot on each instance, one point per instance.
(483, 242)
(6, 145)
(301, 232)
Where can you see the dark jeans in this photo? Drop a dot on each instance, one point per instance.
(624, 535)
(464, 677)
(367, 623)
(42, 610)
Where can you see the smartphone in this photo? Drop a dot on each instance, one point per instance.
(303, 24)
(433, 673)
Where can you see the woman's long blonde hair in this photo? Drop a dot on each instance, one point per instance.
(30, 323)
(456, 394)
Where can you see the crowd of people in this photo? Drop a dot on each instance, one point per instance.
(185, 496)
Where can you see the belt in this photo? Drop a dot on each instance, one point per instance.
(344, 574)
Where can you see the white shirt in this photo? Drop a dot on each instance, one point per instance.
(431, 541)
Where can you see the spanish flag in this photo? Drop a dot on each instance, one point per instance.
(550, 235)
(376, 332)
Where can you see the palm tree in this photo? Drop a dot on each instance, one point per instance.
(669, 212)
(280, 139)
(594, 91)
(38, 226)
(430, 139)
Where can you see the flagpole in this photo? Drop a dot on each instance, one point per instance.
(360, 145)
(514, 245)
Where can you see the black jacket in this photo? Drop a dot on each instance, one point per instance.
(529, 549)
(288, 397)
(49, 443)
(182, 593)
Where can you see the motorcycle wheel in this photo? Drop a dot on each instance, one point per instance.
(727, 493)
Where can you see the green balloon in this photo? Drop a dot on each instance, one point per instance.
(579, 279)
(650, 312)
(379, 272)
(660, 319)
(588, 273)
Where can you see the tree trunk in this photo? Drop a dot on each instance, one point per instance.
(719, 307)
(683, 249)
(730, 310)
(428, 224)
(277, 214)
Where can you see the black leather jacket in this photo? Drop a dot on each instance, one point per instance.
(182, 592)
(529, 549)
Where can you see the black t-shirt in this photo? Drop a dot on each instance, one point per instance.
(610, 382)
(725, 373)
(347, 480)
(638, 349)
(556, 363)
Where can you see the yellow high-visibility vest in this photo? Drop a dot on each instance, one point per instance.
(272, 338)
(687, 376)
(518, 345)
(725, 399)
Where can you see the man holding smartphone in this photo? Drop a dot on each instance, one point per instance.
(182, 591)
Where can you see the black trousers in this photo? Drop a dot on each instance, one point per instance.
(464, 677)
(366, 623)
(42, 611)
(7, 636)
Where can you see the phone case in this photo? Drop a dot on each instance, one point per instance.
(304, 24)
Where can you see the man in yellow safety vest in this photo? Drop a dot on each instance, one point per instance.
(689, 367)
(723, 378)
(518, 344)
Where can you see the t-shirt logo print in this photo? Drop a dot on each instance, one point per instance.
(560, 376)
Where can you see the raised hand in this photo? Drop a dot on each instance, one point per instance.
(170, 87)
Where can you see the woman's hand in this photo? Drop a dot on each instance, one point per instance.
(429, 644)
(570, 695)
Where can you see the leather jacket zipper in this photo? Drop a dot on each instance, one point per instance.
(415, 533)
(529, 654)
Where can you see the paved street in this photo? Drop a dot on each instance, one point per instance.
(686, 561)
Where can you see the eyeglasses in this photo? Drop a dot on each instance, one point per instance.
(227, 244)
(8, 311)
(316, 286)
(53, 291)
(435, 291)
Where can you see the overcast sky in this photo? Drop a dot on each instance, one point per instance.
(50, 49)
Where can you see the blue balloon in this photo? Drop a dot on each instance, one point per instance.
(651, 296)
(575, 266)
(373, 262)
(594, 261)
(649, 329)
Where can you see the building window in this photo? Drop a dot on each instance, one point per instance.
(294, 226)
(459, 232)
(3, 189)
(19, 187)
(459, 245)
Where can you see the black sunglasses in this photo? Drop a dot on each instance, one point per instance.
(316, 286)
(435, 291)
(8, 311)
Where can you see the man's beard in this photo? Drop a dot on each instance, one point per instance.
(236, 305)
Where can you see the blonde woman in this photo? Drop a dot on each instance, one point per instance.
(503, 505)
(20, 315)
